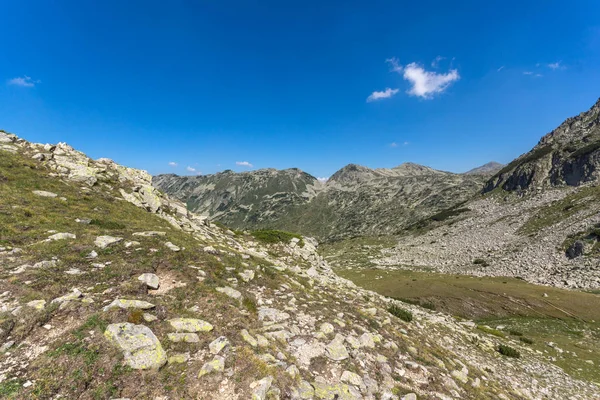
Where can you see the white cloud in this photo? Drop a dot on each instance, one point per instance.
(500, 69)
(393, 144)
(427, 83)
(436, 62)
(395, 66)
(24, 81)
(244, 164)
(190, 169)
(172, 164)
(556, 65)
(530, 73)
(323, 179)
(386, 94)
(405, 143)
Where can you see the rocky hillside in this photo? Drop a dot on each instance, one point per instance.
(567, 156)
(109, 289)
(488, 169)
(355, 201)
(539, 217)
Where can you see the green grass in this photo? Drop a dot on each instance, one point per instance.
(10, 388)
(271, 236)
(491, 331)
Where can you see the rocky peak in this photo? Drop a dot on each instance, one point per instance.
(486, 169)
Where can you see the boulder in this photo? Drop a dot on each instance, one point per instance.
(141, 348)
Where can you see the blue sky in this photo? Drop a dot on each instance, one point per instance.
(209, 85)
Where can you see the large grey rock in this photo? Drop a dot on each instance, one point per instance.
(575, 250)
(141, 348)
(125, 304)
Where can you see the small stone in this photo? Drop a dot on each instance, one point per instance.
(336, 349)
(43, 193)
(231, 292)
(74, 295)
(105, 241)
(179, 358)
(172, 247)
(352, 378)
(190, 325)
(247, 275)
(216, 365)
(37, 304)
(149, 317)
(248, 338)
(151, 280)
(125, 304)
(62, 236)
(185, 337)
(326, 328)
(149, 233)
(261, 388)
(218, 344)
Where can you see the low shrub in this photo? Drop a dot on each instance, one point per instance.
(401, 313)
(508, 351)
(526, 340)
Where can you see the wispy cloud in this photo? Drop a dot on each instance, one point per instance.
(393, 144)
(386, 94)
(500, 69)
(396, 144)
(323, 179)
(533, 74)
(436, 62)
(24, 81)
(190, 169)
(556, 65)
(172, 164)
(244, 164)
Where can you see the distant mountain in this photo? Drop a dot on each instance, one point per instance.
(356, 200)
(567, 156)
(486, 169)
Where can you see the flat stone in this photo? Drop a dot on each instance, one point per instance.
(248, 338)
(106, 240)
(172, 247)
(336, 349)
(179, 358)
(43, 193)
(216, 365)
(141, 348)
(272, 314)
(352, 378)
(218, 344)
(326, 328)
(231, 292)
(305, 391)
(149, 317)
(337, 391)
(149, 233)
(37, 304)
(62, 236)
(74, 295)
(190, 325)
(125, 304)
(151, 280)
(185, 337)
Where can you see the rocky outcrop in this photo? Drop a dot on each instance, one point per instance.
(567, 156)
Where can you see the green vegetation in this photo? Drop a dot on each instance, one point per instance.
(401, 313)
(491, 331)
(525, 340)
(445, 214)
(508, 351)
(272, 236)
(9, 388)
(587, 149)
(480, 261)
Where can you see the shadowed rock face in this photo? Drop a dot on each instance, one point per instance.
(567, 156)
(356, 200)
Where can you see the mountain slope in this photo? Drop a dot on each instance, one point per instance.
(539, 217)
(356, 200)
(84, 244)
(486, 169)
(567, 156)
